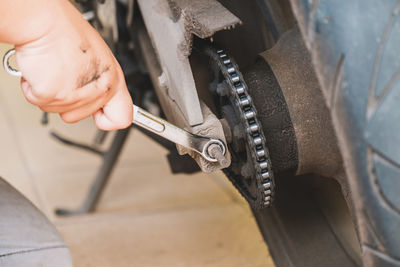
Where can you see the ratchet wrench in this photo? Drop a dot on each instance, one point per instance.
(211, 149)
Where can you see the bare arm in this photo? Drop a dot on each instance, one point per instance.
(23, 21)
(66, 66)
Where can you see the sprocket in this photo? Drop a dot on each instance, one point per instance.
(250, 170)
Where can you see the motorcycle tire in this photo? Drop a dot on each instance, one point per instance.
(354, 47)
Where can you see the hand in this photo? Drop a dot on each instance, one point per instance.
(70, 70)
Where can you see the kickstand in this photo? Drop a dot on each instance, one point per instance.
(110, 157)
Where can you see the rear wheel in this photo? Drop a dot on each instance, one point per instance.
(355, 51)
(333, 103)
(309, 224)
(353, 217)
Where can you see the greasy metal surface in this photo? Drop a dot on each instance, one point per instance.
(317, 145)
(170, 25)
(211, 126)
(258, 186)
(273, 112)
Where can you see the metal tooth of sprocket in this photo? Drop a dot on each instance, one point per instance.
(255, 136)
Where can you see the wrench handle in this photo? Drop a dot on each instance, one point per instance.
(177, 135)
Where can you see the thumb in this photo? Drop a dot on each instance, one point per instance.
(117, 113)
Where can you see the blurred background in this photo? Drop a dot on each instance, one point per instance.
(146, 217)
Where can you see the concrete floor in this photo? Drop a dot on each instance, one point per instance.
(147, 216)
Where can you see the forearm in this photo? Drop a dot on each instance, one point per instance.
(23, 21)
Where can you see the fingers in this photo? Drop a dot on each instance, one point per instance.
(113, 110)
(117, 113)
(27, 90)
(70, 98)
(103, 93)
(84, 96)
(77, 114)
(111, 106)
(88, 105)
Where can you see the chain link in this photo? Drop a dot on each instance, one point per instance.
(255, 137)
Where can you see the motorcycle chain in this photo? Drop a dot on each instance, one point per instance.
(238, 93)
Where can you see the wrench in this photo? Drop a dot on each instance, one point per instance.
(211, 149)
(205, 146)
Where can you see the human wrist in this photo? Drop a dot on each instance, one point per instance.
(30, 20)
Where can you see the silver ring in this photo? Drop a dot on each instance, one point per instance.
(205, 153)
(6, 64)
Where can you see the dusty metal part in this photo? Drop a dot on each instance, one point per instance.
(251, 170)
(227, 130)
(244, 43)
(274, 115)
(318, 151)
(278, 16)
(212, 150)
(211, 126)
(106, 13)
(171, 25)
(202, 17)
(131, 8)
(215, 151)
